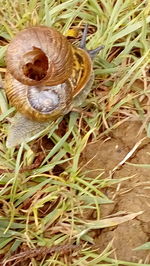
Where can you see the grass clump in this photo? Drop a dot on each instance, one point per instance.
(46, 198)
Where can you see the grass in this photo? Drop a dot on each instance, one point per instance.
(45, 194)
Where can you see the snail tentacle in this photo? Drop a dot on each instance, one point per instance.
(82, 44)
(84, 37)
(95, 51)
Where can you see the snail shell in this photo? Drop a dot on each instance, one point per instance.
(45, 73)
(39, 55)
(38, 103)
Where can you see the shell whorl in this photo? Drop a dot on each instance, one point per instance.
(45, 72)
(39, 55)
(41, 103)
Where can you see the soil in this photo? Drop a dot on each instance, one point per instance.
(128, 196)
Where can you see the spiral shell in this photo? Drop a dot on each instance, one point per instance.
(45, 72)
(39, 55)
(39, 103)
(46, 77)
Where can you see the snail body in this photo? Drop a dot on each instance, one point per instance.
(46, 75)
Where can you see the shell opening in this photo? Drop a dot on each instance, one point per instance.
(35, 64)
(43, 101)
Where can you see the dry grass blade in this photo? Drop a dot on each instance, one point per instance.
(40, 252)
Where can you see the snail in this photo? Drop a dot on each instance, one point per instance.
(46, 78)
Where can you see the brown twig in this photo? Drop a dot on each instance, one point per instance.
(40, 252)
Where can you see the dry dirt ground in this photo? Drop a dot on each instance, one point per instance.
(129, 196)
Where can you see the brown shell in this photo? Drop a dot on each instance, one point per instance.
(40, 55)
(18, 95)
(40, 58)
